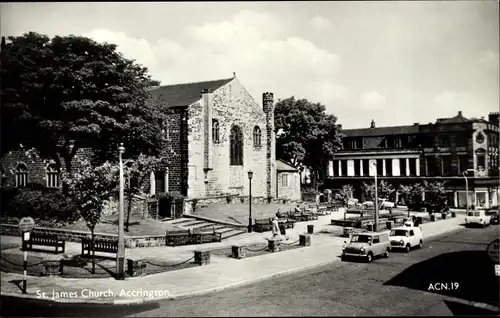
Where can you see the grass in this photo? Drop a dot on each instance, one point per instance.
(253, 250)
(239, 212)
(137, 226)
(104, 268)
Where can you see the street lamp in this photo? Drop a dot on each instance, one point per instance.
(467, 188)
(120, 256)
(375, 228)
(250, 176)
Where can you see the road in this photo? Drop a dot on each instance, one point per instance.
(395, 286)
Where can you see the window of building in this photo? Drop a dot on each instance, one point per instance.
(462, 139)
(444, 141)
(481, 158)
(446, 165)
(357, 167)
(388, 167)
(413, 166)
(398, 142)
(390, 142)
(284, 179)
(21, 173)
(366, 167)
(402, 166)
(165, 130)
(53, 176)
(236, 146)
(336, 168)
(431, 166)
(257, 137)
(215, 131)
(463, 163)
(343, 166)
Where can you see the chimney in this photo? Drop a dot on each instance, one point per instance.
(372, 125)
(460, 113)
(416, 124)
(494, 118)
(268, 107)
(339, 127)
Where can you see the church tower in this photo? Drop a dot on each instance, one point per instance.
(268, 107)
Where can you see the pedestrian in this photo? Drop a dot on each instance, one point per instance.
(297, 209)
(276, 229)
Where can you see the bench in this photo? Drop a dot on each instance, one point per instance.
(287, 223)
(304, 216)
(263, 225)
(179, 237)
(323, 210)
(207, 235)
(44, 240)
(100, 245)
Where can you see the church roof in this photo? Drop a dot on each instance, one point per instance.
(185, 94)
(283, 166)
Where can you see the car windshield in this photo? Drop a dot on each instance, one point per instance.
(470, 214)
(361, 238)
(399, 233)
(477, 213)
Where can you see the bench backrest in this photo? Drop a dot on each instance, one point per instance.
(178, 232)
(209, 230)
(101, 245)
(37, 237)
(263, 221)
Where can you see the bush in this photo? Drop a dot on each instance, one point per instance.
(170, 196)
(43, 205)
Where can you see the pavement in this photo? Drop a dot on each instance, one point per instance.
(222, 273)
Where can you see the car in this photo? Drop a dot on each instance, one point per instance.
(478, 217)
(367, 245)
(493, 213)
(406, 237)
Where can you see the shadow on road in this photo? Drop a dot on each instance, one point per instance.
(467, 275)
(20, 307)
(458, 309)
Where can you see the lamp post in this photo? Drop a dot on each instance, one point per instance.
(120, 255)
(467, 188)
(375, 228)
(250, 176)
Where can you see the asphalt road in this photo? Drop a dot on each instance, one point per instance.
(395, 286)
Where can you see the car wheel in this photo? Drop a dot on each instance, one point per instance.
(407, 248)
(484, 224)
(342, 258)
(369, 258)
(386, 254)
(420, 244)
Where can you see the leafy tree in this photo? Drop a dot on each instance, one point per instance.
(89, 188)
(435, 193)
(306, 135)
(65, 93)
(138, 172)
(384, 190)
(345, 193)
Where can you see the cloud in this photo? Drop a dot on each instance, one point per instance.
(490, 60)
(449, 103)
(321, 23)
(373, 100)
(255, 45)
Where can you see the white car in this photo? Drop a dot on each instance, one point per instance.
(406, 237)
(478, 217)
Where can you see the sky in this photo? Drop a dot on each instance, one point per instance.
(396, 62)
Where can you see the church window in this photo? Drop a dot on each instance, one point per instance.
(236, 146)
(215, 131)
(257, 137)
(52, 177)
(21, 173)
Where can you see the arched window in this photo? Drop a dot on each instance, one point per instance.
(165, 130)
(215, 131)
(53, 176)
(236, 146)
(21, 173)
(257, 137)
(3, 176)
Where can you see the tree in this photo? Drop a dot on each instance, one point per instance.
(412, 193)
(384, 190)
(435, 193)
(70, 92)
(306, 135)
(369, 190)
(138, 172)
(346, 193)
(89, 188)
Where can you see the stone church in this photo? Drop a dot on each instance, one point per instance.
(222, 133)
(214, 135)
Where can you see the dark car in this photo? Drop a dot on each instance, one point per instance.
(493, 212)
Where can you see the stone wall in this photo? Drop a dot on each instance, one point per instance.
(230, 105)
(139, 206)
(292, 190)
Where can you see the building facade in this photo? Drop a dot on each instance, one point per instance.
(288, 181)
(450, 150)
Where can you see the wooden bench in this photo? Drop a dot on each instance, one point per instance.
(263, 225)
(44, 240)
(179, 237)
(304, 216)
(207, 235)
(100, 245)
(323, 210)
(287, 222)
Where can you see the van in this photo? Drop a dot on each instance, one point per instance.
(367, 245)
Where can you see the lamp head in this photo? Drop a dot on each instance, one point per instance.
(250, 175)
(121, 149)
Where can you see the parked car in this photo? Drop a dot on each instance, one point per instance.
(406, 237)
(493, 212)
(367, 245)
(478, 217)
